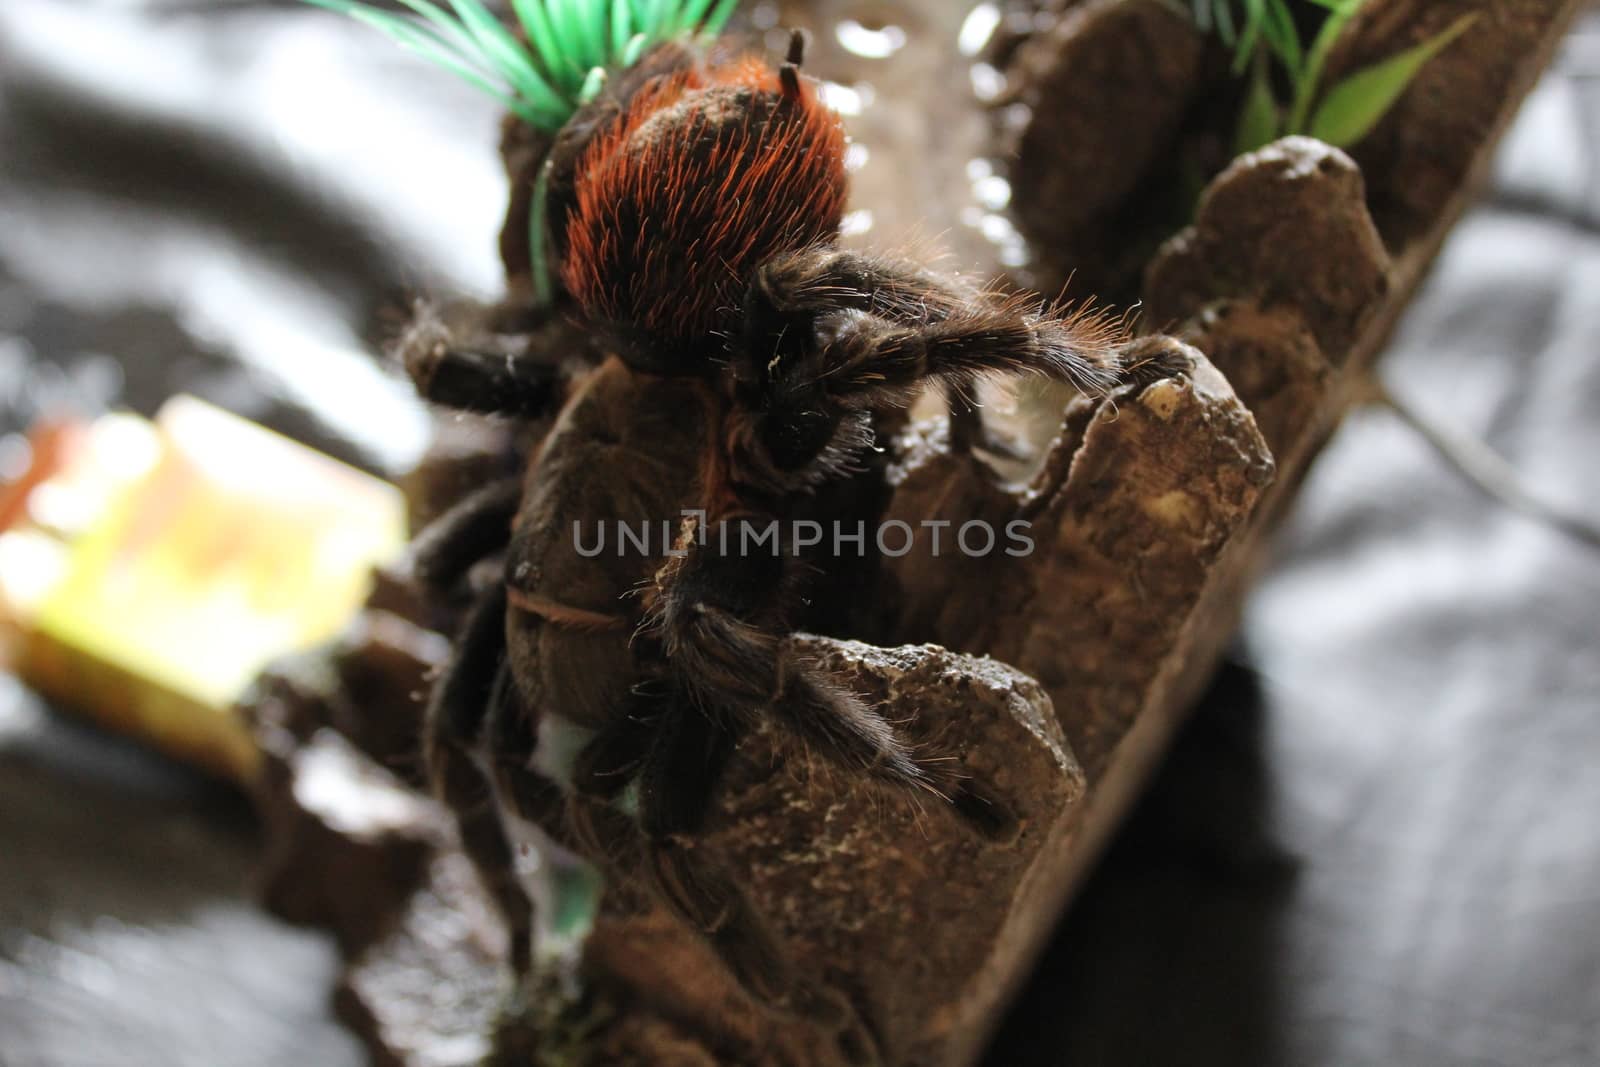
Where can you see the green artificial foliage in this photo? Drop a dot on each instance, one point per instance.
(1264, 37)
(560, 62)
(568, 45)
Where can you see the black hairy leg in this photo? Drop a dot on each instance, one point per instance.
(475, 528)
(667, 750)
(794, 292)
(455, 723)
(676, 780)
(969, 430)
(831, 336)
(722, 612)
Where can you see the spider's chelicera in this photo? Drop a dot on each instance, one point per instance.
(692, 210)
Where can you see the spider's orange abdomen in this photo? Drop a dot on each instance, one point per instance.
(708, 173)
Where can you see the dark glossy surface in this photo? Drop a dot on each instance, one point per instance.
(1376, 844)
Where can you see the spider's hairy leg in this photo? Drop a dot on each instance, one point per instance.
(871, 360)
(968, 429)
(799, 412)
(485, 373)
(834, 722)
(829, 336)
(685, 761)
(799, 288)
(455, 722)
(475, 528)
(722, 614)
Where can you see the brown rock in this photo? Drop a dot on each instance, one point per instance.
(1105, 89)
(1284, 226)
(1135, 503)
(895, 903)
(1423, 153)
(1273, 363)
(385, 666)
(346, 843)
(429, 993)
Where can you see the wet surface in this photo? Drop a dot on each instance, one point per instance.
(1376, 843)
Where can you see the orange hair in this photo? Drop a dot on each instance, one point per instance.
(708, 173)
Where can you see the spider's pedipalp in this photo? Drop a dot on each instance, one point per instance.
(475, 370)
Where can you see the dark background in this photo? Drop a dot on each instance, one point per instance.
(1376, 843)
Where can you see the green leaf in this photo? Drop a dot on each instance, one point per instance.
(1305, 90)
(413, 39)
(506, 53)
(1259, 118)
(661, 17)
(543, 290)
(1283, 37)
(693, 11)
(621, 27)
(569, 54)
(1353, 107)
(596, 47)
(448, 27)
(636, 48)
(641, 15)
(592, 85)
(1254, 11)
(542, 35)
(1225, 29)
(719, 17)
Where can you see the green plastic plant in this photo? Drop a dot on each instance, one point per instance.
(569, 47)
(570, 44)
(1263, 33)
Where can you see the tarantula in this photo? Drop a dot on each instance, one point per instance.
(693, 207)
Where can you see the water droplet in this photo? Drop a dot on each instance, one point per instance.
(988, 84)
(843, 99)
(869, 43)
(764, 16)
(856, 222)
(978, 28)
(993, 192)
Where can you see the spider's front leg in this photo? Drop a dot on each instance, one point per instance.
(674, 755)
(457, 718)
(722, 610)
(830, 335)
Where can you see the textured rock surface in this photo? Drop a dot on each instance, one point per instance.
(1273, 362)
(1424, 152)
(1130, 511)
(347, 842)
(893, 901)
(428, 993)
(1286, 226)
(1073, 168)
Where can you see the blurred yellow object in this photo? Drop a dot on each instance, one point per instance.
(148, 571)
